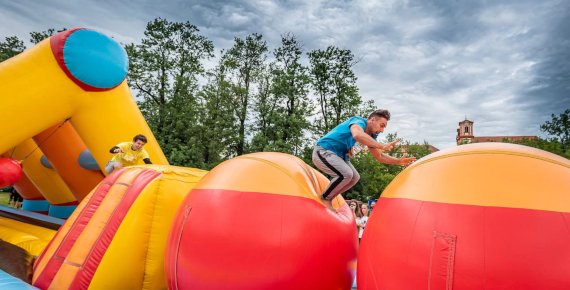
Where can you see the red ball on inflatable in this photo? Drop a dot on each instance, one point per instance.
(255, 222)
(10, 171)
(482, 216)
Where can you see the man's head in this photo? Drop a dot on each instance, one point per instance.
(138, 142)
(377, 121)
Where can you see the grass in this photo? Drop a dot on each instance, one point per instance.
(4, 198)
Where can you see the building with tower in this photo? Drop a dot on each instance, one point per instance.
(465, 135)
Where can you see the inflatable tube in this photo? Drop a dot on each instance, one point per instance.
(62, 146)
(27, 189)
(47, 181)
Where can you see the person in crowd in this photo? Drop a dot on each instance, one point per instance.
(353, 204)
(15, 198)
(361, 223)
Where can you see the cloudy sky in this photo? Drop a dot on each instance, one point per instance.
(503, 64)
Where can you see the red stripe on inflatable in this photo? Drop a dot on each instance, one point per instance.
(75, 202)
(259, 241)
(57, 43)
(410, 244)
(46, 276)
(38, 198)
(93, 259)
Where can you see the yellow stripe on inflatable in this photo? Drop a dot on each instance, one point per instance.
(135, 259)
(90, 234)
(303, 181)
(460, 179)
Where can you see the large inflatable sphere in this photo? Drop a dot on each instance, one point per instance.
(255, 222)
(488, 216)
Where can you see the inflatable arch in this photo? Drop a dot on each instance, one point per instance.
(66, 103)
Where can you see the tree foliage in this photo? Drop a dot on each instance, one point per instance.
(164, 72)
(11, 46)
(245, 61)
(559, 127)
(334, 83)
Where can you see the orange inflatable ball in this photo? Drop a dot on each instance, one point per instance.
(481, 216)
(255, 222)
(10, 171)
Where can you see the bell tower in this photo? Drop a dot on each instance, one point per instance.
(465, 132)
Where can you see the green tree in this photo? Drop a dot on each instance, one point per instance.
(265, 107)
(375, 176)
(245, 61)
(334, 83)
(10, 47)
(164, 72)
(37, 37)
(283, 106)
(217, 119)
(552, 145)
(559, 127)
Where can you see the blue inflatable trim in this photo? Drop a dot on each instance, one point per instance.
(95, 59)
(86, 161)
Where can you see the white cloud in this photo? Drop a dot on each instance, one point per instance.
(503, 64)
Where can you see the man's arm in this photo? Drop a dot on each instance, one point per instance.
(361, 137)
(387, 159)
(116, 149)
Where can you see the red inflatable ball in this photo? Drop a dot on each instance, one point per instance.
(488, 216)
(255, 222)
(10, 171)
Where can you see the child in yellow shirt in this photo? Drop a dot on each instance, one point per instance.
(128, 154)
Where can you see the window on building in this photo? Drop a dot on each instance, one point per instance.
(466, 129)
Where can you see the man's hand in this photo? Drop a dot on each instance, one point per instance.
(390, 145)
(119, 150)
(405, 160)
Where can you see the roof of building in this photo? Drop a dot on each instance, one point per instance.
(501, 138)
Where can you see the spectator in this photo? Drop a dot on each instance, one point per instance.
(372, 204)
(365, 212)
(15, 198)
(353, 204)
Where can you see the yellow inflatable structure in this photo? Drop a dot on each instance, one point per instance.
(66, 103)
(116, 238)
(67, 96)
(28, 237)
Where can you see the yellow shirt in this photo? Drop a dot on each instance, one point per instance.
(130, 156)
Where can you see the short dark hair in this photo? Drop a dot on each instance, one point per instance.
(140, 137)
(381, 113)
